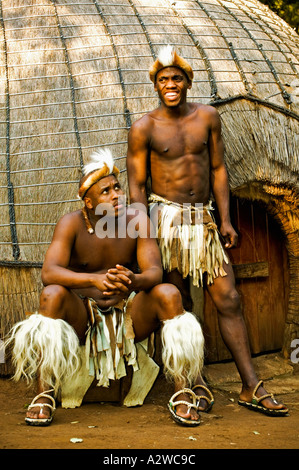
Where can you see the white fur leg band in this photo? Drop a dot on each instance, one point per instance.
(45, 347)
(182, 348)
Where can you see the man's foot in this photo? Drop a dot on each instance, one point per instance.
(40, 411)
(258, 399)
(205, 399)
(183, 408)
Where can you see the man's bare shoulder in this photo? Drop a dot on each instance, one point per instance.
(143, 124)
(70, 221)
(206, 109)
(208, 114)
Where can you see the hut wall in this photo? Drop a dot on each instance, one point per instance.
(19, 293)
(74, 77)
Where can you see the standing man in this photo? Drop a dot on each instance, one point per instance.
(179, 145)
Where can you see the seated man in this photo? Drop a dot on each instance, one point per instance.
(103, 289)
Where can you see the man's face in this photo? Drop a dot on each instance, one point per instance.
(106, 191)
(172, 85)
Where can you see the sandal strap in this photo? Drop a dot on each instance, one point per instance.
(259, 384)
(256, 400)
(41, 405)
(43, 395)
(183, 402)
(199, 397)
(186, 391)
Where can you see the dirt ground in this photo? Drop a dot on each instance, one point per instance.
(111, 426)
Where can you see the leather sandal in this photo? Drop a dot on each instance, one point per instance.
(173, 404)
(209, 399)
(34, 403)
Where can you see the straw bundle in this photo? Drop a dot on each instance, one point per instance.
(74, 76)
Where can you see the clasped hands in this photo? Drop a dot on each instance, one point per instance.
(118, 281)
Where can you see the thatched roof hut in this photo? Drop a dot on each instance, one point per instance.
(74, 76)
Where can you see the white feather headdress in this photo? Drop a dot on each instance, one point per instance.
(101, 164)
(168, 57)
(97, 160)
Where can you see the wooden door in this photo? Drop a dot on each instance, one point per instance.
(260, 266)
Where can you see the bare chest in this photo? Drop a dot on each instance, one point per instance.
(92, 253)
(183, 137)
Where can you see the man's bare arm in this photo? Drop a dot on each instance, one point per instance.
(148, 256)
(137, 156)
(55, 268)
(219, 180)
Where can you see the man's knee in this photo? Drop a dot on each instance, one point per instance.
(230, 302)
(234, 299)
(168, 297)
(52, 297)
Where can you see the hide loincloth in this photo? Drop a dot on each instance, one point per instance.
(188, 239)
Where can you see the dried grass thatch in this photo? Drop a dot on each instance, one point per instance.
(74, 76)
